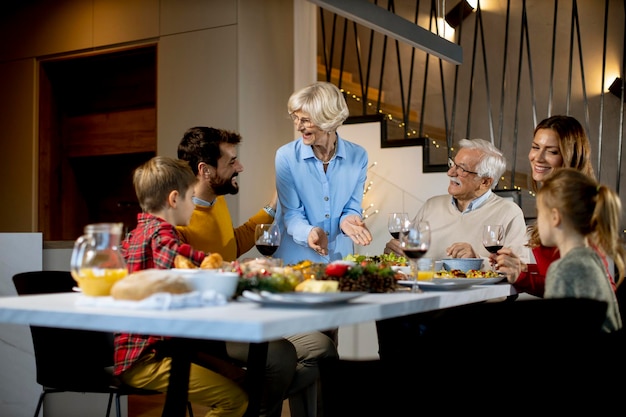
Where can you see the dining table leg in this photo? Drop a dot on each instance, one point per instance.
(257, 358)
(176, 398)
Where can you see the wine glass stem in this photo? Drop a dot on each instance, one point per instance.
(414, 272)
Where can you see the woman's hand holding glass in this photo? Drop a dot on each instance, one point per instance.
(509, 264)
(493, 239)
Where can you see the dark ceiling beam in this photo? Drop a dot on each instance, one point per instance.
(381, 20)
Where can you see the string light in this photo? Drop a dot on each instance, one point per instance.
(364, 212)
(369, 187)
(410, 132)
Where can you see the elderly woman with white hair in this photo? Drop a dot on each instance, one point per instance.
(320, 179)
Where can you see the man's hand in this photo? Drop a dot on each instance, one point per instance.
(318, 241)
(461, 250)
(393, 246)
(355, 228)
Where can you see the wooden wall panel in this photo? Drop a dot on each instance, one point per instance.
(111, 133)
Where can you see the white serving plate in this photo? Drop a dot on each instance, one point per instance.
(435, 286)
(473, 281)
(301, 299)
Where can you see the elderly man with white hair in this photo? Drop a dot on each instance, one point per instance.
(457, 218)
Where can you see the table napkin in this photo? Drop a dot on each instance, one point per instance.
(158, 301)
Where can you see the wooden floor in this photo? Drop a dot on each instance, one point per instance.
(152, 406)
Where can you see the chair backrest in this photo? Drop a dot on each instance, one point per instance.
(556, 319)
(559, 342)
(72, 360)
(621, 300)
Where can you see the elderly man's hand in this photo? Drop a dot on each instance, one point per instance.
(461, 250)
(393, 246)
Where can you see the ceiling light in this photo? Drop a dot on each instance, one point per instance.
(458, 13)
(616, 87)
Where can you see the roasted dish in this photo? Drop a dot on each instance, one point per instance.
(472, 273)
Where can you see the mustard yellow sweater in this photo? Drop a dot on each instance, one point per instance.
(211, 230)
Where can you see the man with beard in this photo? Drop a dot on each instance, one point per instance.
(212, 155)
(291, 369)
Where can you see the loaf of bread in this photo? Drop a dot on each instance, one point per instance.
(212, 261)
(182, 262)
(142, 284)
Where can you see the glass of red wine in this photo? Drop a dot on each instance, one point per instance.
(493, 238)
(396, 223)
(267, 238)
(415, 242)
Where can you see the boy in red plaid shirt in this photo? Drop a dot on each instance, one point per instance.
(164, 188)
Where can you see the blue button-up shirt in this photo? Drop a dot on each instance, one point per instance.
(309, 197)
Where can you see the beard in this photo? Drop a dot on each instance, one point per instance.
(226, 187)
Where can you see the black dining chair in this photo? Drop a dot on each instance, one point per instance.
(69, 360)
(514, 353)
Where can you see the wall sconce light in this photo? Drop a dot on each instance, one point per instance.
(458, 13)
(616, 87)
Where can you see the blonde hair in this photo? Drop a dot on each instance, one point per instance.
(592, 209)
(324, 102)
(157, 178)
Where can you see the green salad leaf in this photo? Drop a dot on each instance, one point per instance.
(386, 258)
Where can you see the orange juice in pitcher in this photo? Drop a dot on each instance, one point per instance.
(96, 262)
(98, 281)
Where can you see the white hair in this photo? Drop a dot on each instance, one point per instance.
(492, 164)
(324, 102)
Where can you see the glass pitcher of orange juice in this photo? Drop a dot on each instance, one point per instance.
(96, 262)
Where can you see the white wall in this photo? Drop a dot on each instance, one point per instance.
(266, 78)
(398, 184)
(19, 252)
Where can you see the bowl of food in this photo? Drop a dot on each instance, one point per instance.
(202, 280)
(462, 264)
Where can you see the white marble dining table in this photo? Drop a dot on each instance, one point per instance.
(241, 321)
